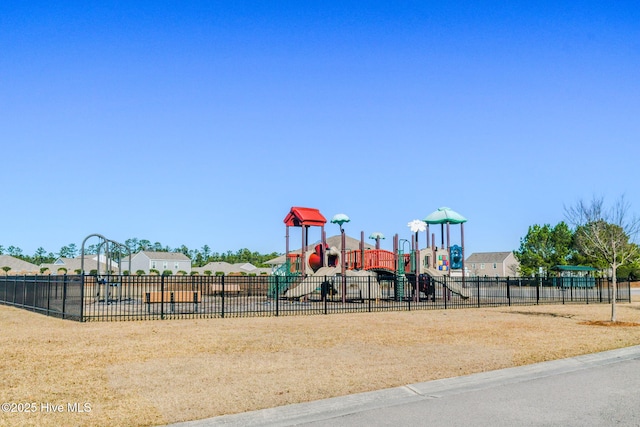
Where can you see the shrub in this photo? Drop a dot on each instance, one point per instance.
(207, 272)
(167, 273)
(140, 272)
(153, 271)
(194, 273)
(62, 270)
(125, 273)
(182, 273)
(219, 273)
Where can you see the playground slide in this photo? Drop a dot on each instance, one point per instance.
(454, 287)
(311, 283)
(457, 289)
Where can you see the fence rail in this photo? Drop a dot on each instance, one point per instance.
(111, 298)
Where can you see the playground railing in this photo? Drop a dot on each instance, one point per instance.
(112, 298)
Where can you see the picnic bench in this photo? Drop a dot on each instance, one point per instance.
(216, 288)
(172, 297)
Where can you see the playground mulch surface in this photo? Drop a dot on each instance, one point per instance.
(157, 372)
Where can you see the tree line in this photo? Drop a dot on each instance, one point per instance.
(199, 257)
(601, 238)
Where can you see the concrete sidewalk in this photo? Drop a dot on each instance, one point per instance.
(590, 390)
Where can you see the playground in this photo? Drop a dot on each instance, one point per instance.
(339, 274)
(415, 273)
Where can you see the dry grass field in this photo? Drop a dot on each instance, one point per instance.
(157, 372)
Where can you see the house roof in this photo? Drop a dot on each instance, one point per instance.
(17, 265)
(227, 268)
(165, 255)
(298, 216)
(488, 257)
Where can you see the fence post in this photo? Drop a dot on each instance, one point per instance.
(571, 288)
(15, 289)
(64, 297)
(48, 294)
(162, 296)
(508, 292)
(82, 297)
(195, 298)
(600, 288)
(34, 287)
(325, 285)
(369, 293)
(24, 291)
(538, 293)
(222, 296)
(586, 288)
(444, 292)
(478, 290)
(277, 295)
(629, 288)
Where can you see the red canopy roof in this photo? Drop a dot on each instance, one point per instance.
(298, 217)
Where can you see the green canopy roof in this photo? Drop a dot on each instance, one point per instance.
(573, 268)
(445, 215)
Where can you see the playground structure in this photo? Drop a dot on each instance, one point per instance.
(336, 267)
(106, 291)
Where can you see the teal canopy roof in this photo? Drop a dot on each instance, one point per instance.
(573, 268)
(443, 216)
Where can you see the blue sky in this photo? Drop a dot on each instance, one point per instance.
(200, 123)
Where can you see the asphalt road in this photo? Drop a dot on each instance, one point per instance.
(601, 389)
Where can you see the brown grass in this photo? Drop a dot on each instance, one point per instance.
(157, 372)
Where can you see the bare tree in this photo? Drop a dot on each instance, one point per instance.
(514, 269)
(605, 235)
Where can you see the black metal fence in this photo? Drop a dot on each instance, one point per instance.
(109, 298)
(59, 296)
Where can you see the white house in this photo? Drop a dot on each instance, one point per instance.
(159, 261)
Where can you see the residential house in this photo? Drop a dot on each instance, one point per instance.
(15, 266)
(159, 261)
(227, 268)
(502, 264)
(75, 265)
